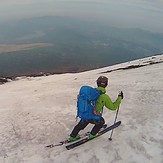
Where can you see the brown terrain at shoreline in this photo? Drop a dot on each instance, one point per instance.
(19, 47)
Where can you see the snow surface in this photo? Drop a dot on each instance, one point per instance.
(35, 112)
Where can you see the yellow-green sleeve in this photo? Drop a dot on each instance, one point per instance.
(112, 105)
(105, 100)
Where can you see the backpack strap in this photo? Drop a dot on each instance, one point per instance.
(95, 111)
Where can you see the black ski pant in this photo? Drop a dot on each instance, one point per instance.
(83, 123)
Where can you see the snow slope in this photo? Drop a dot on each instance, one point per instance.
(35, 112)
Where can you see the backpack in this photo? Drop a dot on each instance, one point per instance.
(86, 103)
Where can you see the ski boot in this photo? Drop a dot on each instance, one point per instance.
(91, 136)
(71, 138)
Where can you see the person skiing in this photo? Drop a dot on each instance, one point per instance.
(103, 100)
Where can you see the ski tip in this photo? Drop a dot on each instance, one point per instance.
(119, 122)
(49, 146)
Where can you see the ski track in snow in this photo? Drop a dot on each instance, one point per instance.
(35, 112)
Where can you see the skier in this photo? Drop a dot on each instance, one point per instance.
(103, 100)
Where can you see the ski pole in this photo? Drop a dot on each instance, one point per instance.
(114, 123)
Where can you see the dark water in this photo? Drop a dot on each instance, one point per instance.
(76, 46)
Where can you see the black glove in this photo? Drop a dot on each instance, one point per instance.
(121, 94)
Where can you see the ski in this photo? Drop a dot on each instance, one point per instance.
(84, 140)
(68, 141)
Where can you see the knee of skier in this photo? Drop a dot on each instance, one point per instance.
(102, 121)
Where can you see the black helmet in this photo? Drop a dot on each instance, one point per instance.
(102, 81)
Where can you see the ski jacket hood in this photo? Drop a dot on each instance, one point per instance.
(103, 90)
